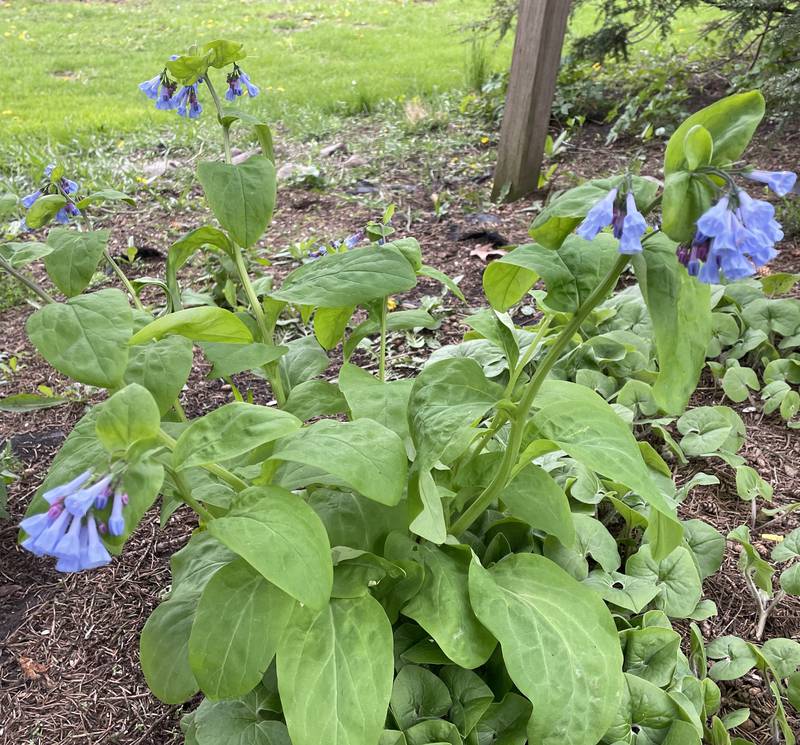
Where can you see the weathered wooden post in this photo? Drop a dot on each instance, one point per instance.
(541, 25)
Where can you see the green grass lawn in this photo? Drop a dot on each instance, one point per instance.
(72, 68)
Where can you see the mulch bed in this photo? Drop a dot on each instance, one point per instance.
(69, 669)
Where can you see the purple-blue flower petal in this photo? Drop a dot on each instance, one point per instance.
(598, 217)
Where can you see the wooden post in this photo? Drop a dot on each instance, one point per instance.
(541, 25)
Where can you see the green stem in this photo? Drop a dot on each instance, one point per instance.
(179, 410)
(122, 278)
(266, 335)
(222, 473)
(29, 283)
(382, 358)
(498, 483)
(226, 134)
(526, 358)
(261, 320)
(186, 495)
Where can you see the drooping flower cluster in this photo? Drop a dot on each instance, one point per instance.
(63, 186)
(737, 234)
(161, 89)
(168, 96)
(349, 244)
(236, 79)
(627, 223)
(69, 530)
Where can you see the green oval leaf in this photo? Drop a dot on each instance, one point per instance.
(364, 454)
(350, 278)
(198, 324)
(559, 644)
(241, 197)
(238, 624)
(231, 430)
(282, 538)
(86, 337)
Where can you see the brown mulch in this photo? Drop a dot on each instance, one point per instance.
(69, 669)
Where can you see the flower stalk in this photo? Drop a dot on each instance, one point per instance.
(520, 418)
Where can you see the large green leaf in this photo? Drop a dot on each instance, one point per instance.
(442, 606)
(86, 337)
(130, 415)
(731, 123)
(229, 359)
(238, 623)
(206, 323)
(73, 259)
(282, 538)
(243, 721)
(589, 430)
(417, 694)
(679, 310)
(231, 430)
(570, 273)
(22, 254)
(241, 197)
(676, 576)
(335, 673)
(652, 653)
(315, 398)
(559, 644)
(686, 197)
(370, 398)
(347, 279)
(355, 521)
(304, 360)
(164, 651)
(162, 367)
(535, 497)
(447, 397)
(364, 454)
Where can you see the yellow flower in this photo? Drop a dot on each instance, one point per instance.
(391, 303)
(484, 139)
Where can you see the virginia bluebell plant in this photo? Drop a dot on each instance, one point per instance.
(70, 530)
(64, 186)
(167, 95)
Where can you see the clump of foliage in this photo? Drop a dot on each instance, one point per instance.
(480, 553)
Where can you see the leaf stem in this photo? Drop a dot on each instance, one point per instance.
(29, 283)
(498, 483)
(186, 495)
(261, 320)
(226, 134)
(122, 278)
(222, 473)
(382, 358)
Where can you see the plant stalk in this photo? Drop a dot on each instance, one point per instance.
(498, 483)
(29, 283)
(186, 496)
(226, 134)
(122, 278)
(222, 473)
(382, 358)
(261, 320)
